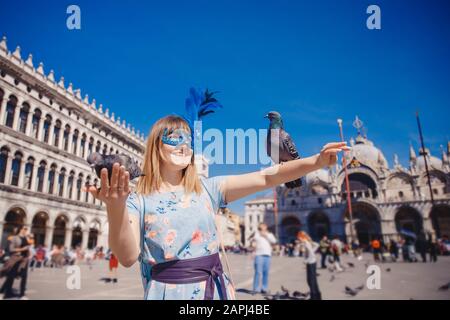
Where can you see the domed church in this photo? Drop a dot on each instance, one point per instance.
(384, 199)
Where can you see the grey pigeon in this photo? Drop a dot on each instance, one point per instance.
(351, 265)
(285, 291)
(298, 294)
(99, 161)
(286, 147)
(353, 292)
(444, 287)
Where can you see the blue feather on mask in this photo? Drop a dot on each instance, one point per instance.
(198, 104)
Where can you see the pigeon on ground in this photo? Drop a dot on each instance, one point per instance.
(444, 287)
(332, 278)
(353, 292)
(286, 147)
(351, 265)
(388, 269)
(298, 294)
(285, 291)
(99, 161)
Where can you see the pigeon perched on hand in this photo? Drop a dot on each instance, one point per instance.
(286, 147)
(99, 161)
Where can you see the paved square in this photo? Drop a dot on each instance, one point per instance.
(404, 281)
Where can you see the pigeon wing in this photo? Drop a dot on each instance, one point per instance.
(289, 145)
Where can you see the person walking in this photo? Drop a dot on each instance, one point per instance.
(336, 249)
(324, 251)
(262, 242)
(311, 264)
(17, 265)
(433, 248)
(376, 249)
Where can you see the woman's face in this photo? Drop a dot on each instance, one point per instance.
(176, 157)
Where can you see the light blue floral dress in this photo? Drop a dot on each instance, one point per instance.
(178, 226)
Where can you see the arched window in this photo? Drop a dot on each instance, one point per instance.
(41, 176)
(79, 186)
(66, 137)
(24, 111)
(98, 147)
(57, 133)
(36, 120)
(87, 184)
(29, 169)
(10, 111)
(47, 123)
(91, 145)
(2, 94)
(83, 145)
(51, 178)
(95, 184)
(111, 150)
(105, 149)
(61, 177)
(3, 163)
(15, 169)
(70, 183)
(75, 141)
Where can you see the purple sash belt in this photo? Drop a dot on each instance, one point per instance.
(193, 270)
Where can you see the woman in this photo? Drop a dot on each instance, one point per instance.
(168, 223)
(311, 264)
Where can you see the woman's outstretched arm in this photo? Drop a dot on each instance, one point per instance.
(239, 186)
(123, 232)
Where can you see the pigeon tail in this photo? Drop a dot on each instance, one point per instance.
(294, 184)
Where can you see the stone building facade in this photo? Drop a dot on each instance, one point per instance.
(47, 131)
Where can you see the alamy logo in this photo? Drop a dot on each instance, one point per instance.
(73, 281)
(73, 21)
(374, 280)
(374, 20)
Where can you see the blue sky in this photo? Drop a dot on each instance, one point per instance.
(313, 61)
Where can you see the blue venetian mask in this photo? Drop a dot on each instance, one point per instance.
(176, 138)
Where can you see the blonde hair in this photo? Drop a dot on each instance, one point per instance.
(152, 180)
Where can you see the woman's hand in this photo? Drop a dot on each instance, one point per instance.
(328, 154)
(113, 194)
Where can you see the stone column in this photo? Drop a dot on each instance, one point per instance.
(3, 107)
(34, 176)
(84, 242)
(17, 114)
(50, 133)
(61, 138)
(68, 238)
(78, 154)
(21, 173)
(69, 142)
(45, 184)
(29, 129)
(8, 169)
(55, 183)
(49, 237)
(41, 129)
(65, 185)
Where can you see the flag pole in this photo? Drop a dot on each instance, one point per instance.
(275, 211)
(347, 183)
(424, 154)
